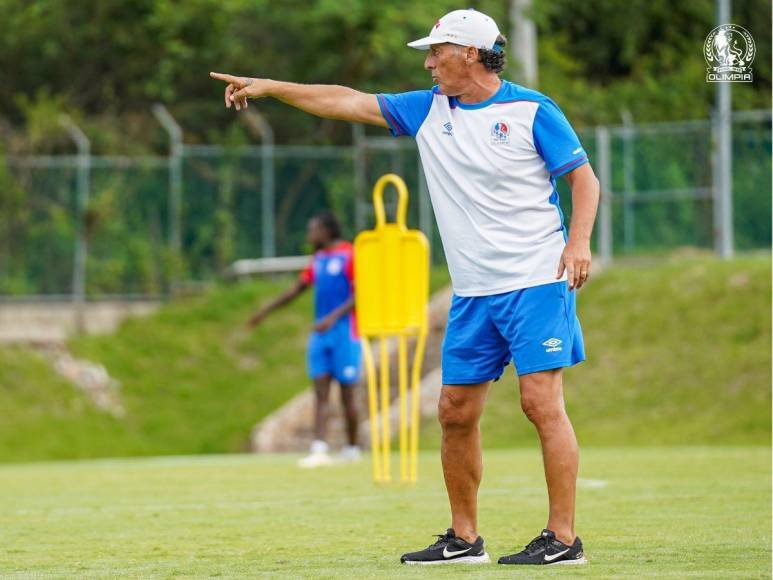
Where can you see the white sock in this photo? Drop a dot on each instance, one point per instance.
(319, 446)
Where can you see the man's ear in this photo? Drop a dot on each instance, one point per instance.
(471, 57)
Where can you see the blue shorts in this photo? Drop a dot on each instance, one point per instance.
(535, 327)
(335, 352)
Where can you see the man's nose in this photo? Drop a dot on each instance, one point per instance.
(429, 62)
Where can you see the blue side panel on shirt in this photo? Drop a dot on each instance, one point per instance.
(405, 112)
(556, 201)
(555, 140)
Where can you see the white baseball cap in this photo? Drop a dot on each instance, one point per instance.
(463, 27)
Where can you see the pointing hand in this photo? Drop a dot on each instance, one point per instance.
(239, 89)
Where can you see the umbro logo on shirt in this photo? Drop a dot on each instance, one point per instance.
(448, 129)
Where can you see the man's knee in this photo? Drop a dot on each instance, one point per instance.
(456, 413)
(541, 410)
(322, 390)
(542, 398)
(348, 400)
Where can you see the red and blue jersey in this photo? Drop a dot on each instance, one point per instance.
(331, 272)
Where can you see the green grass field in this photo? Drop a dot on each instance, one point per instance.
(678, 353)
(194, 379)
(675, 512)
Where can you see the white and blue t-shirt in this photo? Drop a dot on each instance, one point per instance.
(491, 170)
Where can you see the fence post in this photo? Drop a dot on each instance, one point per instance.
(629, 186)
(267, 182)
(722, 197)
(523, 34)
(723, 157)
(605, 209)
(175, 133)
(82, 200)
(360, 176)
(267, 192)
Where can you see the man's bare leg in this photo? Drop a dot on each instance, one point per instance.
(322, 396)
(318, 455)
(542, 400)
(348, 392)
(459, 411)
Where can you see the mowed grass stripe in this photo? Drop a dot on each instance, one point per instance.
(673, 512)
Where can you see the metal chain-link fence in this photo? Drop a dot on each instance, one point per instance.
(254, 201)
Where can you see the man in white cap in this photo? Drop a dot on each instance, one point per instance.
(491, 152)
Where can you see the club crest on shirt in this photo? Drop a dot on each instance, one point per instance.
(334, 267)
(500, 133)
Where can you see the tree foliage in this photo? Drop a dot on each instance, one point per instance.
(107, 61)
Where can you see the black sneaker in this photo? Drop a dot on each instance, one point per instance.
(449, 550)
(546, 550)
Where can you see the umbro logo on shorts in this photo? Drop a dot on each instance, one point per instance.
(553, 345)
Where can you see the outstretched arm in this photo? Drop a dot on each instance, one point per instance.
(328, 101)
(287, 296)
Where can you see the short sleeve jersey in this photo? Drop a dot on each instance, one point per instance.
(331, 272)
(491, 171)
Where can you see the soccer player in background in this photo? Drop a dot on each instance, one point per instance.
(491, 152)
(334, 350)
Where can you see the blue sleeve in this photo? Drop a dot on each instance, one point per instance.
(556, 141)
(405, 112)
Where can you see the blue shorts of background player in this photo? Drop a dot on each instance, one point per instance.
(537, 328)
(335, 352)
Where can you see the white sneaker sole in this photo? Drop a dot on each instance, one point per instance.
(483, 559)
(578, 561)
(310, 462)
